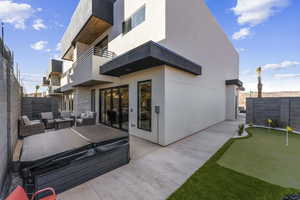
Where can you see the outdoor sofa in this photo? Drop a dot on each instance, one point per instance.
(86, 119)
(28, 127)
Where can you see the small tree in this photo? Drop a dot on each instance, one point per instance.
(37, 87)
(288, 130)
(259, 85)
(241, 129)
(270, 123)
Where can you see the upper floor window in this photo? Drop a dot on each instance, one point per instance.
(136, 19)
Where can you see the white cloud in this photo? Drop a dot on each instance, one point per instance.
(242, 34)
(282, 76)
(58, 46)
(39, 9)
(254, 12)
(282, 65)
(15, 13)
(273, 85)
(40, 45)
(240, 50)
(38, 24)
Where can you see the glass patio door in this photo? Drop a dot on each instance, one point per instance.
(114, 106)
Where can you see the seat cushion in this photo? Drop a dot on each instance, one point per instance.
(26, 120)
(69, 119)
(65, 114)
(52, 197)
(47, 115)
(79, 121)
(50, 121)
(19, 194)
(35, 122)
(90, 114)
(83, 115)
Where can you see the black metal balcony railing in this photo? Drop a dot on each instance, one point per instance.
(103, 53)
(94, 51)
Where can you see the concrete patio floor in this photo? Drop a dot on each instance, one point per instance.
(155, 172)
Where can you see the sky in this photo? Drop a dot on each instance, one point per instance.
(266, 33)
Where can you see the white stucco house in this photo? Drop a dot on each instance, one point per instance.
(159, 69)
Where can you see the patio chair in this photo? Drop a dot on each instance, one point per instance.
(20, 194)
(86, 119)
(48, 120)
(28, 128)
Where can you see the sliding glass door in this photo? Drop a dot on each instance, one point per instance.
(114, 103)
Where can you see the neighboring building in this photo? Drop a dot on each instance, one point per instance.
(39, 94)
(245, 95)
(53, 76)
(160, 69)
(52, 80)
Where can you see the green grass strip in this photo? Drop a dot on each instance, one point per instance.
(213, 182)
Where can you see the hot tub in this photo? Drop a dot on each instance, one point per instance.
(66, 158)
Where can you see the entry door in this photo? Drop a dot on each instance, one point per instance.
(114, 106)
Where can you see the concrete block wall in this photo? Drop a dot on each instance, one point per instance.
(15, 111)
(3, 123)
(10, 110)
(285, 110)
(295, 113)
(34, 106)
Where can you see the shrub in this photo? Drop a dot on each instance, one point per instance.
(241, 129)
(275, 124)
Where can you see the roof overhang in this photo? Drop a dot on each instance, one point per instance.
(146, 56)
(236, 82)
(89, 21)
(64, 88)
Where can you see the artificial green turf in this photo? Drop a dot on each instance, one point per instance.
(266, 156)
(214, 182)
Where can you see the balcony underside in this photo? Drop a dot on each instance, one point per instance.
(146, 56)
(93, 29)
(90, 83)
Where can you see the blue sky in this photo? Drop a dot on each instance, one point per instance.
(265, 32)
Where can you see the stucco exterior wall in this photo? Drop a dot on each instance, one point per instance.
(79, 18)
(82, 99)
(193, 32)
(196, 102)
(231, 102)
(155, 74)
(153, 28)
(190, 104)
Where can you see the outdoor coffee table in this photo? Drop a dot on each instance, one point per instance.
(62, 123)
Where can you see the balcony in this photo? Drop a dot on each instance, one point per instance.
(55, 68)
(52, 90)
(46, 81)
(85, 71)
(90, 20)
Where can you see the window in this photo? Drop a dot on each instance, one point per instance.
(144, 105)
(103, 44)
(136, 19)
(93, 100)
